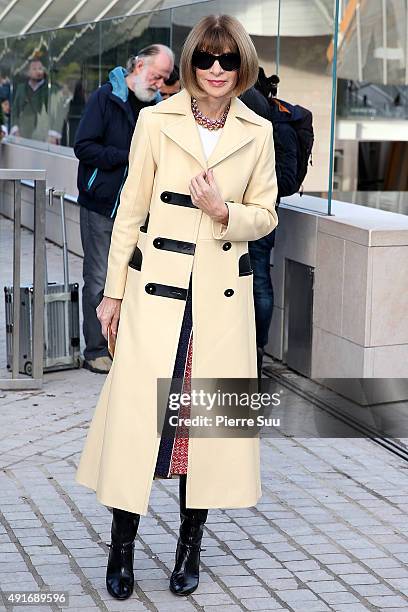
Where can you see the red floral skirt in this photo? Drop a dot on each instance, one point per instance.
(179, 457)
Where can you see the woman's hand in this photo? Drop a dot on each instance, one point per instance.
(206, 195)
(107, 312)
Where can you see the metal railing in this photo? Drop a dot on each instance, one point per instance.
(34, 381)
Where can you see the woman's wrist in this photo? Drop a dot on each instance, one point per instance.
(222, 216)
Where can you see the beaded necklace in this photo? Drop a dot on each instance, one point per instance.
(210, 124)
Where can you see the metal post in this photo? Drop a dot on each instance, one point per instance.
(385, 41)
(39, 176)
(333, 107)
(99, 26)
(278, 39)
(38, 278)
(406, 42)
(359, 46)
(16, 278)
(66, 271)
(171, 29)
(64, 240)
(46, 306)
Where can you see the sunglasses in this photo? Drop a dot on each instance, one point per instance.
(204, 60)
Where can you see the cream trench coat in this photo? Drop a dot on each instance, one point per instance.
(165, 238)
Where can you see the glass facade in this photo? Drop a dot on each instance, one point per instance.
(372, 104)
(372, 60)
(19, 17)
(68, 63)
(293, 38)
(373, 44)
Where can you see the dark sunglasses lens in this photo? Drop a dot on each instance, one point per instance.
(202, 60)
(230, 61)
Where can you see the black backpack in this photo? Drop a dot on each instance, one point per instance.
(302, 122)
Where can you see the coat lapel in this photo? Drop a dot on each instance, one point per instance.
(182, 128)
(232, 139)
(183, 131)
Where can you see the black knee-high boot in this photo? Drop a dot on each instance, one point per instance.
(119, 573)
(185, 576)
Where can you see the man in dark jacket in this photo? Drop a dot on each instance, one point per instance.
(286, 148)
(102, 145)
(38, 108)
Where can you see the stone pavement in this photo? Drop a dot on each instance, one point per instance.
(330, 531)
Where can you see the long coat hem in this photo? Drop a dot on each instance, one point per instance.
(112, 501)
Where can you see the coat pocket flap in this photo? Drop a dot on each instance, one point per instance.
(136, 260)
(179, 199)
(168, 291)
(244, 265)
(143, 228)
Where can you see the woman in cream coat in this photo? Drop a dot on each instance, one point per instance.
(201, 184)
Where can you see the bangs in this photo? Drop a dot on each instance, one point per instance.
(217, 40)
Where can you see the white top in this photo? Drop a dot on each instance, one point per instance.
(209, 139)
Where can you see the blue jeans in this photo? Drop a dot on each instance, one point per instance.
(260, 254)
(96, 231)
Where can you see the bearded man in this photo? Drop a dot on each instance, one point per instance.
(102, 145)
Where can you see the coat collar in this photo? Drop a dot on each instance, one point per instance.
(183, 129)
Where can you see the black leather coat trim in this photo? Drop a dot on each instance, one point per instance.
(136, 259)
(168, 291)
(244, 265)
(178, 246)
(143, 228)
(179, 199)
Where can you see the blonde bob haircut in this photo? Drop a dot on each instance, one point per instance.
(217, 34)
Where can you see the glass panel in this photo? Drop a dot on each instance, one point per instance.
(373, 98)
(19, 16)
(178, 3)
(90, 11)
(131, 7)
(53, 15)
(32, 92)
(372, 62)
(75, 67)
(123, 7)
(374, 45)
(123, 37)
(305, 72)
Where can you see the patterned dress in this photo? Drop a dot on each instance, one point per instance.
(173, 449)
